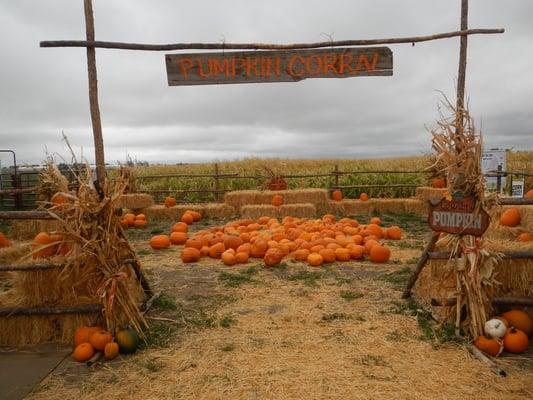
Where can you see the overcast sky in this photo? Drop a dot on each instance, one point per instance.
(44, 91)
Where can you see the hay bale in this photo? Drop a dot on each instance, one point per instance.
(425, 193)
(417, 207)
(336, 207)
(218, 211)
(496, 231)
(135, 201)
(256, 211)
(389, 206)
(358, 207)
(12, 253)
(238, 199)
(163, 213)
(27, 229)
(303, 210)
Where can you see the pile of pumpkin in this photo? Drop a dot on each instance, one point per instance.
(507, 332)
(133, 221)
(511, 218)
(89, 340)
(316, 242)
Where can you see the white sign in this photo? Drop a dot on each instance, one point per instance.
(517, 189)
(490, 161)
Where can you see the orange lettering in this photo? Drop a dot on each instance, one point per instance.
(219, 66)
(201, 69)
(329, 64)
(318, 67)
(251, 63)
(266, 64)
(364, 63)
(344, 63)
(185, 66)
(290, 66)
(277, 66)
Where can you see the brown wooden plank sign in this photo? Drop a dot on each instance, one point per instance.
(458, 216)
(276, 66)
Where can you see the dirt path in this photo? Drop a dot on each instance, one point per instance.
(292, 332)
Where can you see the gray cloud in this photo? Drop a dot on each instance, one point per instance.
(44, 91)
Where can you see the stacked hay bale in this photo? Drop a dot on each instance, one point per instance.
(302, 203)
(162, 213)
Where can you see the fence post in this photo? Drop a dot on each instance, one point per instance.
(499, 180)
(15, 184)
(336, 172)
(217, 194)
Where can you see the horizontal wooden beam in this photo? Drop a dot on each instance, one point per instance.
(51, 310)
(260, 46)
(390, 185)
(498, 301)
(18, 191)
(162, 191)
(25, 215)
(185, 176)
(514, 255)
(516, 202)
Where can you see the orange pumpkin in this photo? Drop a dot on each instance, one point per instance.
(394, 233)
(529, 194)
(170, 202)
(159, 242)
(301, 254)
(357, 252)
(328, 255)
(178, 238)
(510, 217)
(232, 242)
(82, 335)
(336, 195)
(139, 223)
(187, 218)
(369, 244)
(525, 237)
(58, 199)
(195, 242)
(111, 350)
(196, 216)
(4, 241)
(229, 258)
(315, 260)
(41, 240)
(140, 216)
(515, 341)
(492, 347)
(124, 223)
(190, 254)
(438, 183)
(375, 221)
(273, 257)
(259, 248)
(204, 251)
(342, 254)
(379, 254)
(519, 320)
(83, 352)
(216, 250)
(242, 257)
(277, 200)
(180, 227)
(100, 339)
(363, 197)
(130, 218)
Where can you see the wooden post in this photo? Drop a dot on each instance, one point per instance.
(336, 172)
(93, 98)
(461, 77)
(419, 266)
(217, 194)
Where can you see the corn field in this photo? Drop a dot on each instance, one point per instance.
(263, 169)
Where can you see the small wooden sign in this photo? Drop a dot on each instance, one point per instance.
(276, 66)
(458, 216)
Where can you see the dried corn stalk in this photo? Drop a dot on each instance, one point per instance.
(458, 149)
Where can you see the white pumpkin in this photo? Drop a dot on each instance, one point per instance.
(495, 328)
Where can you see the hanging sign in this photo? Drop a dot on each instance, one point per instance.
(458, 216)
(277, 66)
